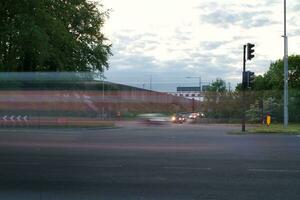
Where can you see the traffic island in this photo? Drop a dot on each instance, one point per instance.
(273, 129)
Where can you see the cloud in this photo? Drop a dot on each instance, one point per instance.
(294, 33)
(195, 38)
(171, 73)
(296, 7)
(212, 45)
(225, 18)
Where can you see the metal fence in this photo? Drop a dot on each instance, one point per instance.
(31, 99)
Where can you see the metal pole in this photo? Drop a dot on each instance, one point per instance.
(102, 114)
(243, 92)
(200, 91)
(200, 83)
(286, 111)
(150, 82)
(200, 87)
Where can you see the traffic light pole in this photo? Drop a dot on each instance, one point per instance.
(243, 91)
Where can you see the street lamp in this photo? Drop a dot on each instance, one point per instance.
(200, 86)
(286, 67)
(102, 113)
(198, 77)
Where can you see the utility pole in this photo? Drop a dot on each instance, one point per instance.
(150, 82)
(200, 88)
(286, 68)
(200, 83)
(102, 114)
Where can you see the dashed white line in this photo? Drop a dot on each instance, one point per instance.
(275, 170)
(19, 163)
(61, 164)
(189, 168)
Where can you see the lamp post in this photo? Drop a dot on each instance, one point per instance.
(285, 58)
(200, 85)
(102, 114)
(198, 77)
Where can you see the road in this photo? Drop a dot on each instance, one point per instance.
(147, 162)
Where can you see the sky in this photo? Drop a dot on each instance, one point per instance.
(164, 41)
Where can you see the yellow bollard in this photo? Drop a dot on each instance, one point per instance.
(268, 120)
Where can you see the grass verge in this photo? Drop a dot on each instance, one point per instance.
(293, 129)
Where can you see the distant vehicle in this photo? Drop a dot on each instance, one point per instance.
(179, 118)
(153, 118)
(187, 117)
(195, 115)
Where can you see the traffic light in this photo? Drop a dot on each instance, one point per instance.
(251, 79)
(250, 50)
(248, 79)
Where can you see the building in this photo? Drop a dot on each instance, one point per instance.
(196, 93)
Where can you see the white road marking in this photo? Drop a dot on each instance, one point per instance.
(19, 163)
(77, 96)
(62, 164)
(189, 168)
(275, 170)
(86, 97)
(12, 118)
(19, 118)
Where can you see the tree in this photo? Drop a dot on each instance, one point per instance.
(215, 97)
(217, 86)
(273, 79)
(56, 35)
(270, 86)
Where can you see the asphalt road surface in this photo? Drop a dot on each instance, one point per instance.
(147, 162)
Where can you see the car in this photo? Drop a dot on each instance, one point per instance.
(193, 115)
(179, 118)
(153, 118)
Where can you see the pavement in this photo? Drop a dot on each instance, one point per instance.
(137, 161)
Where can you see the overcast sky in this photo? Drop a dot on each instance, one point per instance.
(172, 39)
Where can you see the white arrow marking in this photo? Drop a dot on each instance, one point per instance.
(77, 96)
(86, 97)
(25, 118)
(12, 118)
(4, 118)
(19, 118)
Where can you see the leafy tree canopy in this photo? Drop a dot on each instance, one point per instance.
(218, 85)
(56, 35)
(273, 78)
